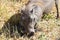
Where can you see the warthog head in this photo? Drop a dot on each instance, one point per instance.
(30, 15)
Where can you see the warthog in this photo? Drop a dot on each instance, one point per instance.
(33, 12)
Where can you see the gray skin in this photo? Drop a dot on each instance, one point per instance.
(33, 12)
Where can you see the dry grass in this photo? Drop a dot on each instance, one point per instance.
(49, 27)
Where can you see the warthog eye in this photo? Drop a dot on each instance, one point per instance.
(31, 11)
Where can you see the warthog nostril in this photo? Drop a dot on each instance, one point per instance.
(30, 34)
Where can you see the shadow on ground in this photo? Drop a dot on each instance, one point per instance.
(12, 27)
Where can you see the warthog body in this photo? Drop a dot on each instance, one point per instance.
(33, 12)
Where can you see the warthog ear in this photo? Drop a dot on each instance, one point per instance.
(23, 9)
